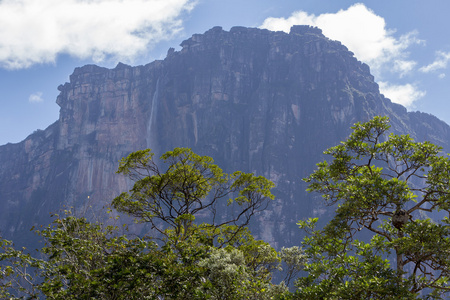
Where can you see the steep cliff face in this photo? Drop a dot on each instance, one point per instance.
(255, 100)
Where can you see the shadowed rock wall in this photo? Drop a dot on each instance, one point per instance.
(255, 100)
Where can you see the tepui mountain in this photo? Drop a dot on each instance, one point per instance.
(254, 100)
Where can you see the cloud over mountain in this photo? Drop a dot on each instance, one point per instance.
(366, 35)
(34, 32)
(404, 94)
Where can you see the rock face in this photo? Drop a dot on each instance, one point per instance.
(255, 100)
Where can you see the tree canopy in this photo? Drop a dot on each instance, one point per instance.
(393, 192)
(389, 237)
(191, 185)
(180, 259)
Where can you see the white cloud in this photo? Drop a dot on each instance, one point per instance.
(33, 32)
(362, 31)
(36, 97)
(440, 62)
(441, 76)
(402, 94)
(404, 67)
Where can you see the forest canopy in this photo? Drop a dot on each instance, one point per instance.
(388, 238)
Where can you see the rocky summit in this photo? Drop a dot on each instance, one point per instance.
(255, 100)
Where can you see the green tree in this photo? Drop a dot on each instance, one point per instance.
(383, 186)
(192, 185)
(84, 260)
(185, 260)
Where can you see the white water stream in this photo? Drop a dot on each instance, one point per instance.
(151, 133)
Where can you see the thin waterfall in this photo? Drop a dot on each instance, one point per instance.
(151, 133)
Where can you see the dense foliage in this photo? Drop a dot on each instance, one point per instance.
(384, 187)
(388, 239)
(180, 259)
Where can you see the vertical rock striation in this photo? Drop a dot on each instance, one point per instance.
(255, 100)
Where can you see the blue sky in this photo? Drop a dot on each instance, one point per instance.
(406, 43)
